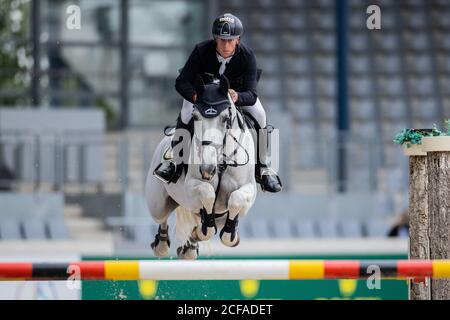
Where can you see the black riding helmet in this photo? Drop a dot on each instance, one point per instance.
(227, 26)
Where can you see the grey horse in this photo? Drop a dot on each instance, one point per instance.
(219, 186)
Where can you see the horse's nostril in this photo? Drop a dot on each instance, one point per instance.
(207, 171)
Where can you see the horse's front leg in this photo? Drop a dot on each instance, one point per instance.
(239, 203)
(204, 193)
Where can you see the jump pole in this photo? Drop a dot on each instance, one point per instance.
(226, 270)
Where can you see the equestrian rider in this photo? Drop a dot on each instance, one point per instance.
(225, 54)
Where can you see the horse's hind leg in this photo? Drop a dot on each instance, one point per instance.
(160, 206)
(161, 244)
(239, 203)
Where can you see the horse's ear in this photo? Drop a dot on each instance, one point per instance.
(199, 86)
(224, 84)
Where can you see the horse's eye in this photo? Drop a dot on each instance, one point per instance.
(225, 119)
(195, 116)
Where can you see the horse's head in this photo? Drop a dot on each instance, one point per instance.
(212, 115)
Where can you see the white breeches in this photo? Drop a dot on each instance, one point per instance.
(256, 110)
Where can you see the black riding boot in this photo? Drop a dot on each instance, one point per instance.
(167, 169)
(265, 176)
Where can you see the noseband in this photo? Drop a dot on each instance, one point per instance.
(230, 123)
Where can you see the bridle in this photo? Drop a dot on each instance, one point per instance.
(227, 159)
(221, 167)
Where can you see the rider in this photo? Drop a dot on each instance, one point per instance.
(225, 54)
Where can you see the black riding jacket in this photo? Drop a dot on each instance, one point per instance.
(241, 72)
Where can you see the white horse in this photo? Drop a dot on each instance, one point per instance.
(219, 185)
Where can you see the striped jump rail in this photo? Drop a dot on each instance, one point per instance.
(225, 270)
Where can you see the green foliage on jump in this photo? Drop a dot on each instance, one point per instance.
(414, 136)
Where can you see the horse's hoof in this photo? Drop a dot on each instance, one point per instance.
(188, 251)
(229, 234)
(225, 238)
(161, 244)
(199, 236)
(160, 248)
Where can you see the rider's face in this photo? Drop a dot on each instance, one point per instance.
(226, 47)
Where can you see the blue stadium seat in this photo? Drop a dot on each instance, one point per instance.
(393, 108)
(392, 86)
(358, 42)
(301, 108)
(416, 40)
(270, 62)
(389, 20)
(34, 229)
(388, 63)
(57, 229)
(361, 86)
(425, 109)
(283, 228)
(305, 228)
(259, 228)
(327, 109)
(325, 20)
(325, 42)
(327, 228)
(299, 86)
(363, 109)
(10, 229)
(144, 232)
(422, 85)
(261, 20)
(351, 228)
(359, 64)
(324, 64)
(269, 86)
(300, 65)
(295, 42)
(376, 228)
(326, 86)
(387, 41)
(292, 20)
(419, 63)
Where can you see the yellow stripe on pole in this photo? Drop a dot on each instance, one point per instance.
(441, 268)
(122, 270)
(308, 269)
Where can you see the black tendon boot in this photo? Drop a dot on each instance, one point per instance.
(265, 176)
(167, 171)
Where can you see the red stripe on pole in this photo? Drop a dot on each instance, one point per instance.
(16, 270)
(90, 270)
(341, 269)
(415, 269)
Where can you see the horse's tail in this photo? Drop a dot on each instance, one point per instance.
(184, 223)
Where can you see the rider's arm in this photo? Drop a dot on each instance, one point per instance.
(247, 94)
(183, 83)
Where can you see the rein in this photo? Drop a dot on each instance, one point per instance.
(233, 163)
